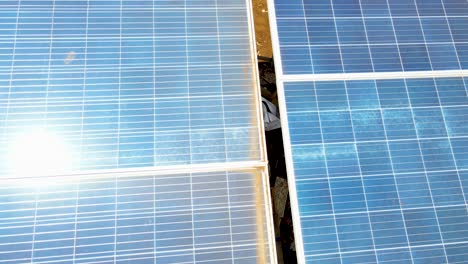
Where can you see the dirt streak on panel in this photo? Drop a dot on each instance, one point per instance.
(257, 145)
(69, 58)
(262, 44)
(262, 241)
(262, 28)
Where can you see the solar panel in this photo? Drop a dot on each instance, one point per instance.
(371, 35)
(124, 84)
(180, 218)
(130, 132)
(374, 101)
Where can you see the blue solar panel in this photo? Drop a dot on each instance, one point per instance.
(129, 83)
(374, 101)
(130, 132)
(345, 36)
(380, 173)
(186, 218)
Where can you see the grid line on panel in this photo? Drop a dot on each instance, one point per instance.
(192, 220)
(132, 215)
(361, 177)
(450, 31)
(373, 44)
(385, 211)
(362, 181)
(92, 259)
(307, 34)
(337, 39)
(329, 184)
(96, 38)
(154, 133)
(373, 75)
(126, 64)
(49, 63)
(367, 38)
(119, 78)
(449, 139)
(427, 180)
(190, 131)
(383, 174)
(380, 141)
(84, 88)
(34, 223)
(394, 178)
(34, 238)
(380, 108)
(372, 17)
(104, 52)
(10, 83)
(76, 222)
(137, 9)
(443, 115)
(393, 248)
(424, 38)
(75, 232)
(224, 127)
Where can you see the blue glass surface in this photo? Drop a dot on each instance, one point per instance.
(381, 169)
(125, 84)
(335, 36)
(165, 219)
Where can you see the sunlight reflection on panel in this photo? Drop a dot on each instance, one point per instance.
(39, 152)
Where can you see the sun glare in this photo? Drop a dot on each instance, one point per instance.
(37, 153)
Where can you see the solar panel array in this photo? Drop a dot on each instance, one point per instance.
(143, 117)
(374, 102)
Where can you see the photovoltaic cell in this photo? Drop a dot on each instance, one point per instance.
(376, 152)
